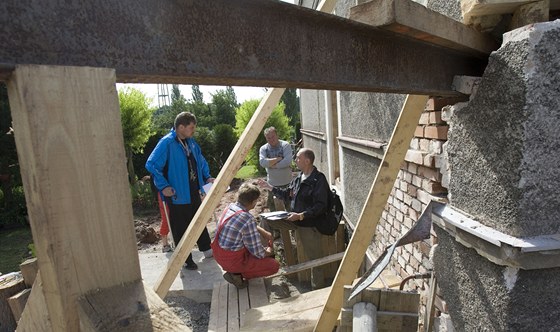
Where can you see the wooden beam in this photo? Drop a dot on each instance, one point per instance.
(10, 285)
(17, 303)
(29, 270)
(307, 265)
(373, 207)
(69, 141)
(476, 8)
(533, 12)
(209, 204)
(365, 317)
(35, 316)
(128, 307)
(411, 19)
(242, 42)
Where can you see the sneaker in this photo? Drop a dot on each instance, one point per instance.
(191, 266)
(208, 253)
(236, 280)
(166, 248)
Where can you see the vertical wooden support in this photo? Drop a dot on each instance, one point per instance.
(374, 205)
(365, 317)
(35, 316)
(70, 147)
(209, 204)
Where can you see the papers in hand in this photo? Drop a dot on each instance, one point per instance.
(207, 187)
(276, 215)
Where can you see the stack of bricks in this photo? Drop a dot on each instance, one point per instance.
(418, 182)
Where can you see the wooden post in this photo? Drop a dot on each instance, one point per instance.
(29, 270)
(35, 316)
(9, 286)
(17, 303)
(70, 147)
(364, 317)
(374, 205)
(209, 204)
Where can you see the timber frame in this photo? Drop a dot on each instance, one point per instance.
(56, 105)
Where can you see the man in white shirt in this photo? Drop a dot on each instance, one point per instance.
(276, 157)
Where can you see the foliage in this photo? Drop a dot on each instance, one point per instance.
(14, 244)
(13, 209)
(142, 195)
(197, 95)
(136, 120)
(205, 138)
(291, 100)
(225, 140)
(277, 119)
(224, 103)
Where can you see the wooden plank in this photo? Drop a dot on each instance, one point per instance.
(233, 309)
(223, 307)
(414, 20)
(10, 285)
(373, 207)
(303, 275)
(530, 13)
(214, 308)
(298, 313)
(395, 321)
(68, 132)
(307, 265)
(29, 269)
(244, 305)
(223, 53)
(257, 293)
(128, 307)
(475, 8)
(289, 253)
(209, 204)
(17, 303)
(399, 301)
(35, 316)
(430, 308)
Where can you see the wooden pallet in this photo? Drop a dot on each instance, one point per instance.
(229, 304)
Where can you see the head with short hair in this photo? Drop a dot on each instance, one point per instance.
(247, 194)
(185, 119)
(271, 136)
(308, 154)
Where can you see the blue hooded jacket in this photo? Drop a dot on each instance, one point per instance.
(169, 151)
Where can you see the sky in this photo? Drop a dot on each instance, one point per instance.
(242, 93)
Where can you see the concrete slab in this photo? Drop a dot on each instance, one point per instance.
(196, 285)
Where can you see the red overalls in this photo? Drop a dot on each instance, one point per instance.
(241, 261)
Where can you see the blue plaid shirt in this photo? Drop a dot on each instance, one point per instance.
(240, 231)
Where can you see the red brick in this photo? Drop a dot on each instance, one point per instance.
(414, 156)
(436, 104)
(433, 187)
(419, 132)
(428, 173)
(436, 132)
(412, 191)
(429, 160)
(435, 117)
(424, 118)
(412, 169)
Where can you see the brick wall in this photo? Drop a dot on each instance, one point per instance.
(418, 182)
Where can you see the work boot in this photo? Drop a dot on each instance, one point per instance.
(190, 266)
(236, 280)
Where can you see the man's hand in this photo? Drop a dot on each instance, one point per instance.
(210, 180)
(168, 191)
(295, 217)
(269, 251)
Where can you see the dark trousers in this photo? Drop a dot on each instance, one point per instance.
(180, 217)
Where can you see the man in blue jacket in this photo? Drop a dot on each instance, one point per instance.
(180, 171)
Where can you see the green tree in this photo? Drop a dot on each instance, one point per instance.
(136, 119)
(224, 103)
(197, 95)
(205, 139)
(225, 140)
(291, 100)
(277, 119)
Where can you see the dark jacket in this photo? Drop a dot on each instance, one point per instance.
(309, 196)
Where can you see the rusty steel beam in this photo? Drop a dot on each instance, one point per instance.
(224, 42)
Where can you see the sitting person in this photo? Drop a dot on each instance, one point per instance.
(237, 245)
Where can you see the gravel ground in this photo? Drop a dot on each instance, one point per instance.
(194, 314)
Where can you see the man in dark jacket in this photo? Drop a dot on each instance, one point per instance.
(308, 194)
(180, 171)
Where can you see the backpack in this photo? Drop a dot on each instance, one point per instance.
(332, 216)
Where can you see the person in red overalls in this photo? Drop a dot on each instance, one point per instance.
(238, 243)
